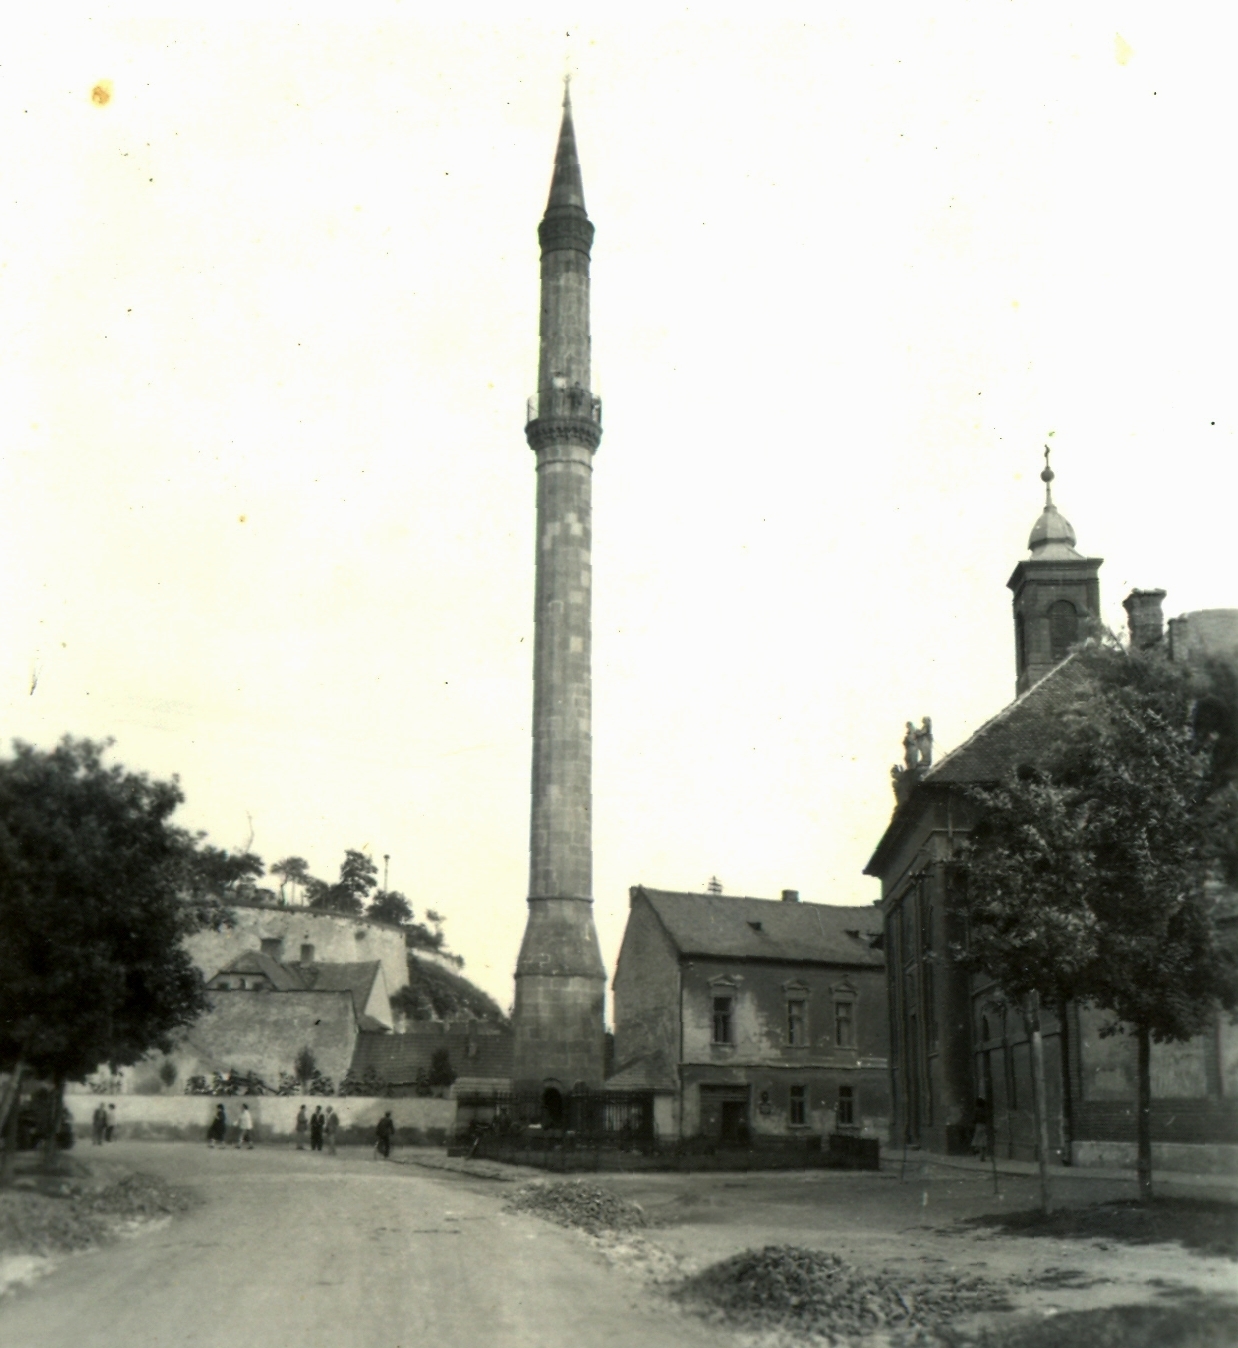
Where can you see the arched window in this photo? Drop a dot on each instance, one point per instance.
(1063, 628)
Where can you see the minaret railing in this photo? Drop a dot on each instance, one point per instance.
(573, 402)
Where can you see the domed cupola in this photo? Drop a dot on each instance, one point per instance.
(1055, 591)
(1052, 536)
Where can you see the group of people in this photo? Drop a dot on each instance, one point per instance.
(102, 1125)
(321, 1127)
(217, 1133)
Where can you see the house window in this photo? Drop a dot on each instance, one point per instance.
(796, 1117)
(846, 1105)
(844, 1024)
(273, 946)
(797, 1022)
(722, 1020)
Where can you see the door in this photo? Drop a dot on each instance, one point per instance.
(734, 1120)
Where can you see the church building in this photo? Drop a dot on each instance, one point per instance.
(951, 1043)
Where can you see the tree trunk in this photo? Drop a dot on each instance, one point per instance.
(1068, 1099)
(1143, 1114)
(8, 1122)
(1038, 1100)
(57, 1110)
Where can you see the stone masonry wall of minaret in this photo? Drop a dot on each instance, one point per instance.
(560, 978)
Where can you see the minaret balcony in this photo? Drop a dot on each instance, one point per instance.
(574, 403)
(564, 416)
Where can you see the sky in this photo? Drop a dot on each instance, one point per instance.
(270, 320)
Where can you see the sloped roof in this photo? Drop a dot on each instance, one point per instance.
(283, 978)
(397, 1057)
(743, 928)
(1021, 732)
(639, 1075)
(356, 978)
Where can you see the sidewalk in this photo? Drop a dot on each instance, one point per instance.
(1211, 1186)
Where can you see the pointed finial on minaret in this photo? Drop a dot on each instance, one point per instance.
(1046, 476)
(566, 187)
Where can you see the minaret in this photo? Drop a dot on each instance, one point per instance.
(1055, 591)
(560, 978)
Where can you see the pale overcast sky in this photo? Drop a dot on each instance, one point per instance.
(270, 318)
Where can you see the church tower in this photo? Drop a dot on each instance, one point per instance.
(560, 978)
(1056, 590)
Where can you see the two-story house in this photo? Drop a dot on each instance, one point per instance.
(752, 1017)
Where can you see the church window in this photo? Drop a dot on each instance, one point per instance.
(722, 1021)
(797, 1022)
(796, 1116)
(1063, 628)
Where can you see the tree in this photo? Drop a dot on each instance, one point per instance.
(358, 875)
(1024, 896)
(97, 891)
(441, 1071)
(1099, 877)
(305, 1065)
(230, 875)
(389, 905)
(292, 871)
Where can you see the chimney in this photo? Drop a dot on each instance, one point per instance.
(1144, 616)
(790, 896)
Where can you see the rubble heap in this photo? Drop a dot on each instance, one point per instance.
(823, 1299)
(585, 1206)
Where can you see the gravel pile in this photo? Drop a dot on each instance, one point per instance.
(77, 1217)
(585, 1206)
(820, 1298)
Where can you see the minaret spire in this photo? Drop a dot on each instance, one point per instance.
(566, 187)
(560, 978)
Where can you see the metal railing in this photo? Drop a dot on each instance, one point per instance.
(564, 402)
(582, 1115)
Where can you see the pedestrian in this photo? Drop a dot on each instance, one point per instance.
(382, 1136)
(981, 1140)
(218, 1131)
(109, 1127)
(331, 1126)
(98, 1126)
(302, 1127)
(246, 1130)
(316, 1122)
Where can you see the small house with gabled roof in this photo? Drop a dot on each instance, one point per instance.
(752, 1017)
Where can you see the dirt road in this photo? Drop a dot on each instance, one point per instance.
(294, 1249)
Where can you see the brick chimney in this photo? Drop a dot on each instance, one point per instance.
(790, 896)
(1144, 616)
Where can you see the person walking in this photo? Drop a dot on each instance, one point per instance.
(218, 1131)
(316, 1122)
(382, 1135)
(109, 1127)
(98, 1126)
(247, 1130)
(302, 1127)
(331, 1126)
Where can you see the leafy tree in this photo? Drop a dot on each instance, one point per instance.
(389, 905)
(97, 891)
(230, 875)
(292, 872)
(167, 1072)
(435, 993)
(441, 1071)
(1127, 837)
(305, 1065)
(358, 875)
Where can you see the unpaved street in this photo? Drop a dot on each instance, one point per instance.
(290, 1248)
